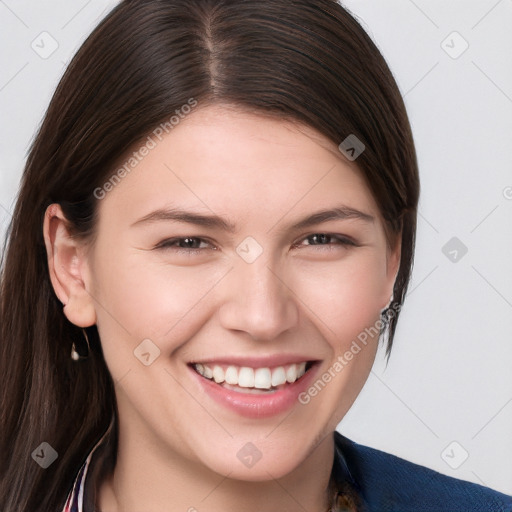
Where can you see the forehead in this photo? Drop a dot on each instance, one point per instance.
(221, 159)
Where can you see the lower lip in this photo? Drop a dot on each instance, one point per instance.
(262, 405)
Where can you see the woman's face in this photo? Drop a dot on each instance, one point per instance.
(235, 248)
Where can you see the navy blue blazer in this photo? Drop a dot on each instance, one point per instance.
(387, 483)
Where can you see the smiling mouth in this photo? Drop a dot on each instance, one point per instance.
(245, 379)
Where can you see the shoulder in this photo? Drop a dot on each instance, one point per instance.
(390, 483)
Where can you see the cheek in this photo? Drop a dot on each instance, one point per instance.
(148, 299)
(345, 297)
(345, 302)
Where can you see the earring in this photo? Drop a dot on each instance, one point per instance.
(75, 355)
(384, 311)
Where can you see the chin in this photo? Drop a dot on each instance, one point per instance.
(258, 461)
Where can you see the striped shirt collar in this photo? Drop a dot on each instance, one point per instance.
(81, 497)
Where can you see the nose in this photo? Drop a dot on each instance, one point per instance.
(258, 301)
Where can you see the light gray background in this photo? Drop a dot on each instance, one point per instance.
(449, 378)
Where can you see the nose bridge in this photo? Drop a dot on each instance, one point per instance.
(262, 288)
(259, 301)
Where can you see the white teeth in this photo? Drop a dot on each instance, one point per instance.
(262, 378)
(291, 373)
(278, 376)
(256, 378)
(231, 375)
(218, 374)
(246, 377)
(208, 373)
(250, 391)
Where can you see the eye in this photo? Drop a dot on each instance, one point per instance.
(196, 245)
(189, 245)
(326, 239)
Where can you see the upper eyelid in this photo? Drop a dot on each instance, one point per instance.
(169, 241)
(341, 238)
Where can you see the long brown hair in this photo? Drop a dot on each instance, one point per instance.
(304, 60)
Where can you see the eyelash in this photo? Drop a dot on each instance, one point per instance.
(171, 243)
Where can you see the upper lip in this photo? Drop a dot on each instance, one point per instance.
(255, 361)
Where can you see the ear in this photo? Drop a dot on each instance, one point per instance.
(393, 258)
(66, 263)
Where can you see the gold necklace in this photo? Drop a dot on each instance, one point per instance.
(345, 498)
(343, 503)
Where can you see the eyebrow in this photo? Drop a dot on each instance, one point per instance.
(339, 213)
(215, 222)
(180, 215)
